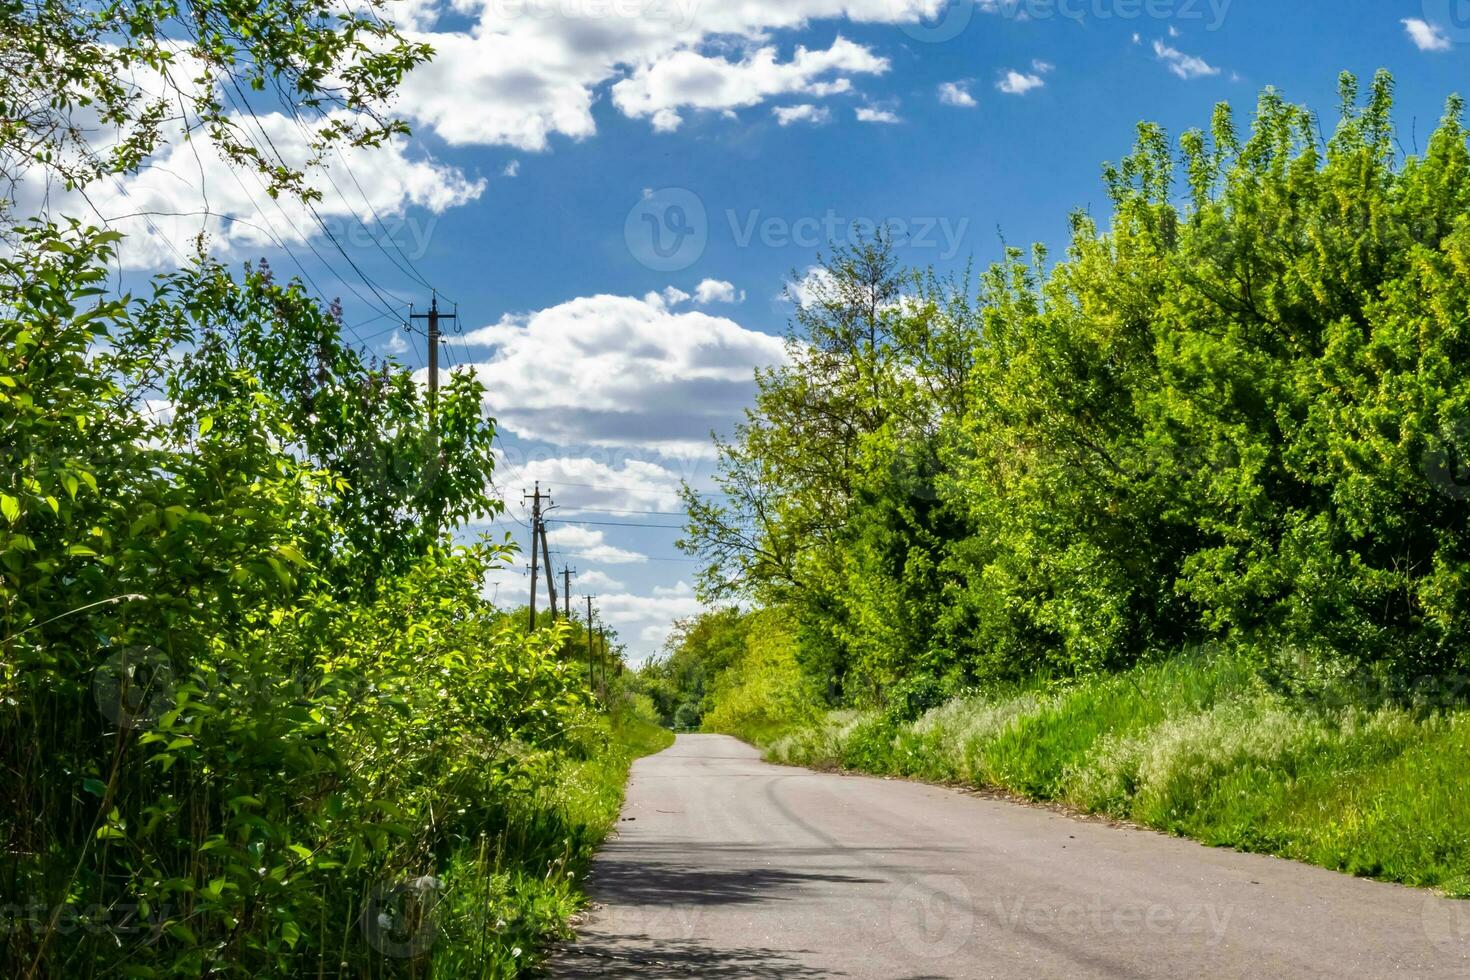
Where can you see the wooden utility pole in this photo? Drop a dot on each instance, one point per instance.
(546, 560)
(590, 674)
(433, 317)
(602, 647)
(537, 532)
(566, 590)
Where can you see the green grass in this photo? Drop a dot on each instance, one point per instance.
(505, 899)
(1198, 747)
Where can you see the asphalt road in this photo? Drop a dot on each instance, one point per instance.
(725, 866)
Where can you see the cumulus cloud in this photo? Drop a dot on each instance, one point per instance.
(813, 285)
(717, 291)
(621, 371)
(786, 115)
(1019, 83)
(694, 80)
(520, 73)
(1186, 66)
(956, 94)
(874, 114)
(584, 484)
(649, 617)
(188, 190)
(1426, 36)
(599, 580)
(589, 544)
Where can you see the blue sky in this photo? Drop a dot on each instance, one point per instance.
(553, 138)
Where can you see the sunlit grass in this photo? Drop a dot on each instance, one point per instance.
(1197, 746)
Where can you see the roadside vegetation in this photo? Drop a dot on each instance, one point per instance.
(1175, 529)
(257, 715)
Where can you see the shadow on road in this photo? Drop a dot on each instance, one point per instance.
(664, 958)
(636, 875)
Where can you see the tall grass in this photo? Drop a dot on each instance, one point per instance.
(1197, 746)
(506, 899)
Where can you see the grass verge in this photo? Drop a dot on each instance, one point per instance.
(1197, 747)
(507, 897)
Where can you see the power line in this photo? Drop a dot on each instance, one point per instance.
(677, 527)
(572, 508)
(648, 490)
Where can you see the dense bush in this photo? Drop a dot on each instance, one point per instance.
(254, 709)
(1239, 411)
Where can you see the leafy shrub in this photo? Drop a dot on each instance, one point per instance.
(249, 694)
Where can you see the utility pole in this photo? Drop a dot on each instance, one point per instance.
(566, 591)
(590, 674)
(602, 646)
(433, 316)
(546, 558)
(536, 531)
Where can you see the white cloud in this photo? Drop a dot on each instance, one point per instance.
(620, 371)
(1042, 67)
(956, 94)
(580, 483)
(512, 169)
(671, 296)
(650, 616)
(1426, 36)
(185, 179)
(873, 114)
(589, 544)
(1173, 31)
(597, 579)
(717, 291)
(693, 80)
(1016, 83)
(805, 113)
(1186, 66)
(518, 74)
(814, 284)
